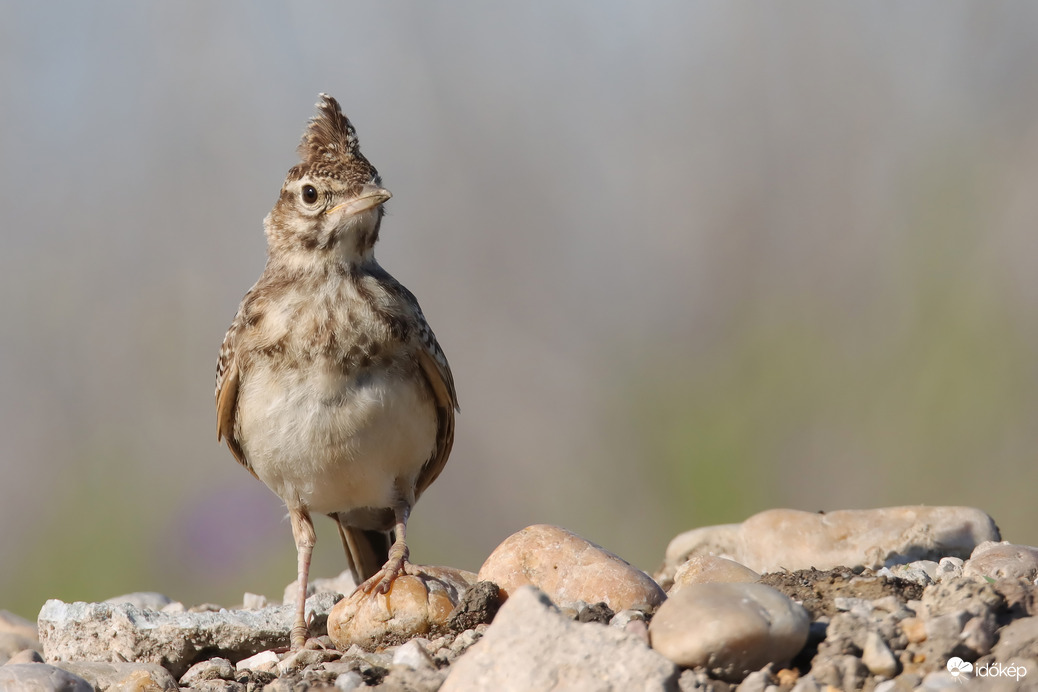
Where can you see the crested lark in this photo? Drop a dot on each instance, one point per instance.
(331, 387)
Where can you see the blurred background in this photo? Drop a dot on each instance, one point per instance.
(689, 261)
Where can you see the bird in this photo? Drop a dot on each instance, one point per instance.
(331, 387)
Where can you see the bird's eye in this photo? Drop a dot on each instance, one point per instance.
(309, 194)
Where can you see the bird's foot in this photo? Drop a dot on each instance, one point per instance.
(299, 637)
(397, 565)
(309, 644)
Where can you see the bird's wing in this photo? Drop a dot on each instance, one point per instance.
(438, 374)
(227, 379)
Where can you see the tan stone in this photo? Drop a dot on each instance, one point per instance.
(1002, 561)
(568, 569)
(40, 676)
(707, 569)
(730, 629)
(791, 539)
(878, 657)
(25, 656)
(130, 676)
(914, 629)
(415, 606)
(11, 643)
(531, 645)
(787, 677)
(16, 624)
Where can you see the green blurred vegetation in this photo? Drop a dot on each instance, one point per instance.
(89, 536)
(924, 394)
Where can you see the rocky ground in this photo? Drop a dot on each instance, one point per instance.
(890, 599)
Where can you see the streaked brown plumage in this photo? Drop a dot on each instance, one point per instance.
(331, 388)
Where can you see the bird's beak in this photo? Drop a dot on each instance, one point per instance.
(368, 198)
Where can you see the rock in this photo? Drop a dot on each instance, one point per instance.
(843, 672)
(532, 646)
(264, 662)
(940, 680)
(755, 682)
(404, 679)
(787, 677)
(948, 626)
(371, 659)
(568, 569)
(122, 676)
(846, 633)
(914, 629)
(415, 606)
(123, 632)
(859, 606)
(1002, 561)
(922, 572)
(12, 643)
(213, 669)
(928, 567)
(730, 629)
(791, 539)
(350, 681)
(40, 677)
(365, 669)
(253, 601)
(638, 628)
(978, 635)
(633, 623)
(16, 624)
(806, 684)
(464, 641)
(478, 605)
(218, 686)
(594, 612)
(878, 657)
(620, 620)
(145, 600)
(955, 618)
(1017, 640)
(286, 685)
(961, 596)
(413, 655)
(698, 681)
(297, 660)
(949, 568)
(1021, 596)
(709, 569)
(26, 656)
(16, 635)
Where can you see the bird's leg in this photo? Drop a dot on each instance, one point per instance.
(397, 563)
(303, 532)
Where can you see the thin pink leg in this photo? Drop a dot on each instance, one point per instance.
(303, 532)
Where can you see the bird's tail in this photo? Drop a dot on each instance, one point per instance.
(366, 551)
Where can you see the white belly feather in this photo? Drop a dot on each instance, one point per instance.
(327, 443)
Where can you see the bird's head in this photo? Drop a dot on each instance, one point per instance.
(331, 204)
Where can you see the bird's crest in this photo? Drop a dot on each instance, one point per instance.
(330, 136)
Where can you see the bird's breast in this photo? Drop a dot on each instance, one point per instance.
(332, 438)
